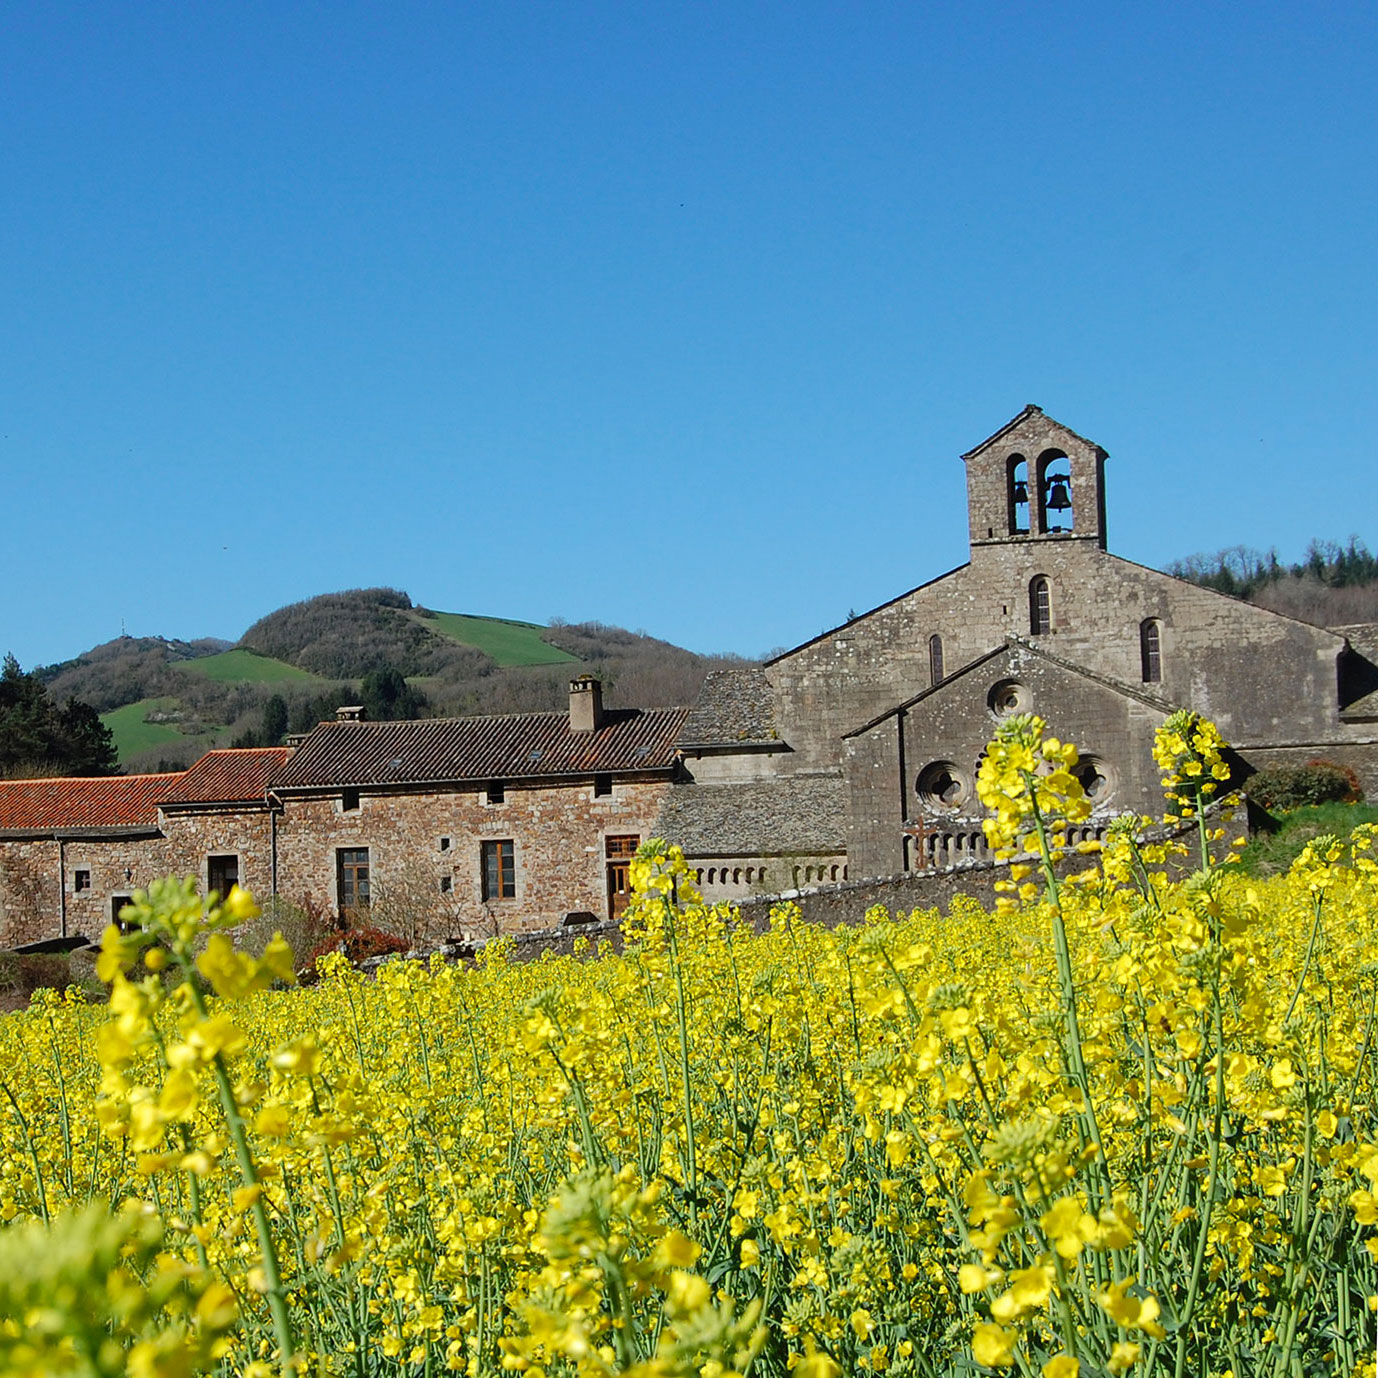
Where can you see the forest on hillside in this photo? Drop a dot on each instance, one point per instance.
(1333, 585)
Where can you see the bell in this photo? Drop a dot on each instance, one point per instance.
(1021, 491)
(1058, 501)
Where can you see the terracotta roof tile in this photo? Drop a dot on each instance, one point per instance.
(517, 746)
(227, 776)
(112, 801)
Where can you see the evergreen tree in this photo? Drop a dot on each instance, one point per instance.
(387, 697)
(274, 727)
(37, 737)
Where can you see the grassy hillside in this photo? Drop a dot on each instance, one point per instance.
(317, 653)
(507, 642)
(241, 666)
(134, 734)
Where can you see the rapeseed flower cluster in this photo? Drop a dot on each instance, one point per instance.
(1125, 1125)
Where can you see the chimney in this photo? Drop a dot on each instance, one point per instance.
(585, 704)
(353, 712)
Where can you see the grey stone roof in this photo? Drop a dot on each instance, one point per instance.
(1363, 636)
(733, 706)
(788, 813)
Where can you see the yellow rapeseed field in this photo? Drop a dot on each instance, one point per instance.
(1122, 1124)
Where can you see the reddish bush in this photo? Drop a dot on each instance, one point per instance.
(359, 944)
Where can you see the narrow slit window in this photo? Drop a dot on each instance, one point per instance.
(935, 659)
(1151, 651)
(1040, 608)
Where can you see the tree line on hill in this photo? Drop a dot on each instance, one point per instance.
(1333, 585)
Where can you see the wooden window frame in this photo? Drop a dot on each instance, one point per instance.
(212, 867)
(498, 869)
(352, 889)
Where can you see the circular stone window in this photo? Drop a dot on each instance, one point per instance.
(1008, 698)
(1096, 778)
(942, 785)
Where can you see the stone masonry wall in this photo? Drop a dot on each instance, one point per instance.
(417, 841)
(1262, 677)
(188, 841)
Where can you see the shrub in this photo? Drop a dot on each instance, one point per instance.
(359, 944)
(1280, 788)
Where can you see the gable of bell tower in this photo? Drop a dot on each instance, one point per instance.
(1034, 480)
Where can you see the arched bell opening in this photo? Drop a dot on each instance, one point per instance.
(1017, 494)
(1055, 493)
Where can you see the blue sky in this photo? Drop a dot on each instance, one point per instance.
(673, 316)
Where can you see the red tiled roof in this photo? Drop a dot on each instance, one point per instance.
(230, 775)
(113, 801)
(517, 746)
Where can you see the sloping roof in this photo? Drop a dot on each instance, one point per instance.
(517, 746)
(112, 801)
(733, 706)
(1031, 410)
(803, 813)
(1363, 637)
(228, 776)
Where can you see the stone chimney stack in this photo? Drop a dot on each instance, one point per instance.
(585, 704)
(353, 712)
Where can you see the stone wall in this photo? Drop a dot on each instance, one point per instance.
(1260, 676)
(425, 852)
(87, 875)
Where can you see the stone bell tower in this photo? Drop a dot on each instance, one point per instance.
(1036, 480)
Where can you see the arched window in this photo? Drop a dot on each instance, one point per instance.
(1017, 480)
(935, 659)
(1054, 492)
(1040, 607)
(1151, 650)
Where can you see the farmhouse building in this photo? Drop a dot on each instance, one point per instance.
(462, 826)
(852, 756)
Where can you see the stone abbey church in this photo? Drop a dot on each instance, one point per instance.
(850, 757)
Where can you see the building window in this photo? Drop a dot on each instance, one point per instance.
(349, 800)
(1040, 608)
(602, 786)
(351, 877)
(118, 904)
(1151, 651)
(619, 852)
(497, 792)
(446, 884)
(81, 880)
(935, 659)
(222, 874)
(499, 871)
(444, 844)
